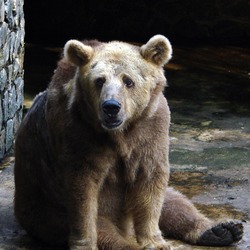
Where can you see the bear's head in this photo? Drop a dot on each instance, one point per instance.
(118, 82)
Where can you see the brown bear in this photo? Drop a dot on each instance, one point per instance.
(91, 167)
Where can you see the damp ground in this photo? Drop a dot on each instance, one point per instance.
(209, 97)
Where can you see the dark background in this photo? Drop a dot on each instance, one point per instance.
(53, 22)
(211, 40)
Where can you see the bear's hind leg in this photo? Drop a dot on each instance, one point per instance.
(222, 234)
(180, 219)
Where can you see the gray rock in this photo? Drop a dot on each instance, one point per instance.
(9, 13)
(17, 120)
(6, 51)
(16, 68)
(12, 45)
(10, 73)
(2, 15)
(2, 143)
(1, 115)
(19, 89)
(12, 104)
(9, 134)
(5, 99)
(3, 33)
(3, 79)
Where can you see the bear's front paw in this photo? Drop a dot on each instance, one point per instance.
(82, 245)
(222, 234)
(162, 246)
(83, 248)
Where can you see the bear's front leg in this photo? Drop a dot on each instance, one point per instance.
(82, 189)
(146, 200)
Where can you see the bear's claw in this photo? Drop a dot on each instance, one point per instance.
(222, 234)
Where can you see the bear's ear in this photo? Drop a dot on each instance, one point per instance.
(157, 50)
(77, 53)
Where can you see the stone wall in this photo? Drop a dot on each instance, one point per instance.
(11, 70)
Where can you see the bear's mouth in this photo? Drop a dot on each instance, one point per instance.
(111, 123)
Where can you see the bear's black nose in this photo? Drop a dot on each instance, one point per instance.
(111, 107)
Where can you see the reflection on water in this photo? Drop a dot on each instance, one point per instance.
(213, 76)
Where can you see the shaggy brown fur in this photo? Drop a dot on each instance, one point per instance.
(92, 165)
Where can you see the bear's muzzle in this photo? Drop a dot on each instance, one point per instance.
(110, 109)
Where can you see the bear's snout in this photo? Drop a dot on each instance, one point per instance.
(111, 117)
(111, 107)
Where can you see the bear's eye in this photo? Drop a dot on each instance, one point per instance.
(100, 81)
(128, 82)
